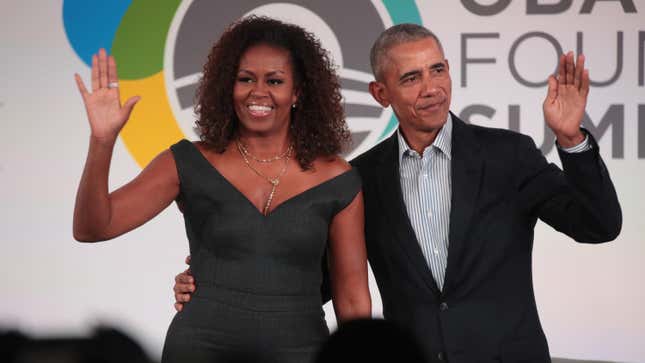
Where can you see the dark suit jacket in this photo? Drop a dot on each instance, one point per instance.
(501, 185)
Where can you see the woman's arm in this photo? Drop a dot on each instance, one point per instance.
(98, 214)
(348, 263)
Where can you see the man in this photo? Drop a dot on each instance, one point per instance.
(450, 208)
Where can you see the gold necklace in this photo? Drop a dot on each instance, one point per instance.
(243, 149)
(273, 181)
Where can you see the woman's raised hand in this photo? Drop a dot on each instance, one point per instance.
(104, 110)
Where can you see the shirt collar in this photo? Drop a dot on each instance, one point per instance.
(443, 141)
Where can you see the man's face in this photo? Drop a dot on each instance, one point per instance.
(416, 81)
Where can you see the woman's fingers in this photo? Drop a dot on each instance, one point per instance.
(80, 85)
(113, 79)
(95, 73)
(103, 69)
(104, 76)
(104, 73)
(129, 105)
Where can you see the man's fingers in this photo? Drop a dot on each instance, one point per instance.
(183, 288)
(561, 69)
(580, 67)
(584, 86)
(188, 278)
(552, 90)
(179, 307)
(570, 68)
(184, 279)
(182, 298)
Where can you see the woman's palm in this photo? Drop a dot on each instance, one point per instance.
(103, 104)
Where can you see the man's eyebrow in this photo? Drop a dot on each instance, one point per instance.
(438, 65)
(413, 72)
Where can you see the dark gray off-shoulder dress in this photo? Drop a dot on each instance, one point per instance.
(258, 277)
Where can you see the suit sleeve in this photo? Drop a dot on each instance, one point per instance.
(579, 200)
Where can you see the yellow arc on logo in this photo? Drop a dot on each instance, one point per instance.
(151, 127)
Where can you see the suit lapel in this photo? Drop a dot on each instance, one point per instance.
(466, 168)
(389, 188)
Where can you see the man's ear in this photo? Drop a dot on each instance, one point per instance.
(379, 92)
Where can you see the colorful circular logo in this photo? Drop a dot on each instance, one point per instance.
(160, 48)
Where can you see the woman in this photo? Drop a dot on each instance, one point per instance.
(261, 193)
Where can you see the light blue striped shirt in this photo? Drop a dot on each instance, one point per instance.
(426, 184)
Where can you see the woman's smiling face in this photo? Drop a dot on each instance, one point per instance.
(264, 89)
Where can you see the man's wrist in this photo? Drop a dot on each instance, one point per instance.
(582, 146)
(568, 142)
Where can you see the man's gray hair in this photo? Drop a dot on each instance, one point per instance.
(395, 35)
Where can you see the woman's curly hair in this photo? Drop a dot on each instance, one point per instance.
(317, 126)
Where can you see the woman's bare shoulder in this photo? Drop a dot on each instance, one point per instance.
(330, 167)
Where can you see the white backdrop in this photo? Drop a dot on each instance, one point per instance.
(590, 297)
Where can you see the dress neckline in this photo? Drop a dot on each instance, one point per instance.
(277, 207)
